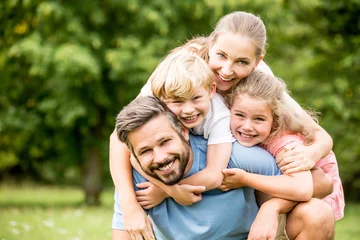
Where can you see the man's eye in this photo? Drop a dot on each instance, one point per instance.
(165, 141)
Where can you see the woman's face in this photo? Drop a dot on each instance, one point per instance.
(232, 57)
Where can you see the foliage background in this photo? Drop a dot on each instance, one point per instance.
(67, 68)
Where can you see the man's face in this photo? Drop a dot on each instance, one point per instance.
(161, 152)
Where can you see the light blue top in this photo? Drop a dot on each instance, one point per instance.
(219, 215)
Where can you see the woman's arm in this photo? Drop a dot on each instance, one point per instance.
(299, 157)
(135, 220)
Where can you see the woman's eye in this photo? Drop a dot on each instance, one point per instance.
(220, 55)
(241, 62)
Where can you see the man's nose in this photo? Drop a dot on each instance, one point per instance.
(159, 155)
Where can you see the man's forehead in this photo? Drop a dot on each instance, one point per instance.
(153, 131)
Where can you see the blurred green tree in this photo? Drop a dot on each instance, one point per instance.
(67, 68)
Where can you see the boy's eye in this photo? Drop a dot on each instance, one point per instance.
(197, 97)
(260, 119)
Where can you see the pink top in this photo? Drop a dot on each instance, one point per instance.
(328, 164)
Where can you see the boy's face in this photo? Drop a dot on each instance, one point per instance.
(192, 112)
(251, 120)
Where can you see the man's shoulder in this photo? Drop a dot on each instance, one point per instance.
(197, 139)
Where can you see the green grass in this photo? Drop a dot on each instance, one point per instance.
(36, 212)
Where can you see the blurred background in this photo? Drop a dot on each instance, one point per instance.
(68, 67)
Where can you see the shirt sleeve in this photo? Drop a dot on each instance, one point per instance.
(217, 126)
(262, 66)
(253, 159)
(276, 146)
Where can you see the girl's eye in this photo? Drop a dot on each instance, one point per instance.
(260, 119)
(239, 115)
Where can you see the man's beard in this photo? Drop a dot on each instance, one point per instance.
(177, 174)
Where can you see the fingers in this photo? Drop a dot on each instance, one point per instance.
(143, 185)
(290, 146)
(194, 189)
(224, 188)
(149, 234)
(229, 171)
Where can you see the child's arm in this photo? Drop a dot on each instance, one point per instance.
(136, 222)
(296, 187)
(299, 157)
(217, 158)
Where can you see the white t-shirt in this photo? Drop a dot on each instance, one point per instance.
(216, 127)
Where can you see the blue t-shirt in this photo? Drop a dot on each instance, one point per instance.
(219, 215)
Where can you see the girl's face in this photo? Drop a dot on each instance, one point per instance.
(232, 57)
(192, 112)
(251, 120)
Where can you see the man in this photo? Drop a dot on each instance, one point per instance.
(165, 150)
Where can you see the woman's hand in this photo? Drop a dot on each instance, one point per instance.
(296, 157)
(233, 178)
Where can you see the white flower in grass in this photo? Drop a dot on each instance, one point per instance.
(15, 231)
(13, 223)
(78, 212)
(63, 231)
(27, 227)
(49, 223)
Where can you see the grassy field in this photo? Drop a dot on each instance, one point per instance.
(35, 212)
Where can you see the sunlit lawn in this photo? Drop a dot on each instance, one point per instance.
(49, 213)
(52, 213)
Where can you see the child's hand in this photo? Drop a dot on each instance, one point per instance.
(185, 194)
(294, 158)
(137, 224)
(150, 195)
(233, 178)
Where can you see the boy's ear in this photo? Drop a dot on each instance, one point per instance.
(185, 133)
(213, 90)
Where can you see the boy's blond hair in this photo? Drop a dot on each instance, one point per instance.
(179, 74)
